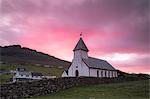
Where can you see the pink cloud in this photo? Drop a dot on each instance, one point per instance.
(135, 69)
(53, 27)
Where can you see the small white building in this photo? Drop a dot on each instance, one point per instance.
(83, 65)
(22, 75)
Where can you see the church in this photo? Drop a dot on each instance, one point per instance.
(85, 66)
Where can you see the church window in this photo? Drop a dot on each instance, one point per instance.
(101, 73)
(105, 74)
(97, 73)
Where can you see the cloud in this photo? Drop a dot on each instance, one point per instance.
(129, 62)
(108, 26)
(131, 59)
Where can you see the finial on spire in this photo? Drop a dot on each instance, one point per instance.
(81, 34)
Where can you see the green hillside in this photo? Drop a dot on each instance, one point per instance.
(126, 90)
(53, 71)
(50, 71)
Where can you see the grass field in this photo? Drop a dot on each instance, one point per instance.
(5, 78)
(127, 90)
(44, 70)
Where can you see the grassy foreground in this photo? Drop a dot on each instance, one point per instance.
(127, 90)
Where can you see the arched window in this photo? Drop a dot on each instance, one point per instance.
(76, 73)
(102, 73)
(97, 73)
(105, 74)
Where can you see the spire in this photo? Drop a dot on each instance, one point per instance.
(81, 45)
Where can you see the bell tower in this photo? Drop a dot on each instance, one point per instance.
(80, 50)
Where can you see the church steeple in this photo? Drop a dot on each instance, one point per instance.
(81, 45)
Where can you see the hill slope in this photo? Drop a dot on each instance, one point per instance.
(16, 54)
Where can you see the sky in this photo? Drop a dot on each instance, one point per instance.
(114, 30)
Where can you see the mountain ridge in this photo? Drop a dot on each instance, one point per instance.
(16, 54)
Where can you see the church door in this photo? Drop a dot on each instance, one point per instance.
(76, 73)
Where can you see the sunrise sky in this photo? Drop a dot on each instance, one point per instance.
(115, 30)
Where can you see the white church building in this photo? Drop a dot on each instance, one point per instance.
(83, 65)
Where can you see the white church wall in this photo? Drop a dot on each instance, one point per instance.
(104, 73)
(80, 66)
(84, 70)
(80, 54)
(110, 74)
(77, 64)
(93, 72)
(101, 73)
(114, 74)
(107, 73)
(84, 54)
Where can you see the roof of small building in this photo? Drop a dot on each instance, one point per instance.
(21, 69)
(24, 73)
(81, 46)
(98, 63)
(30, 73)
